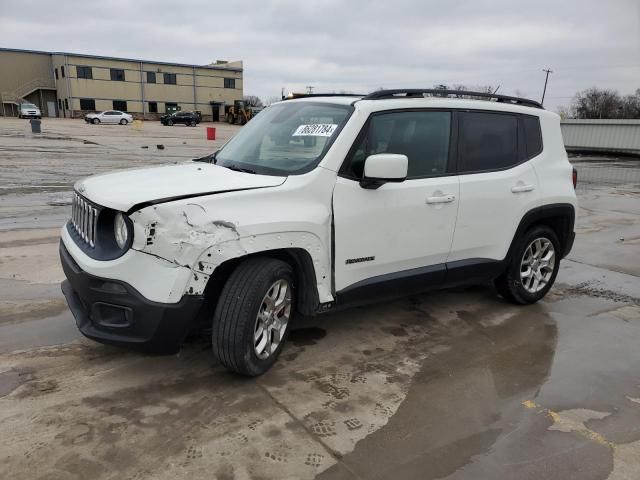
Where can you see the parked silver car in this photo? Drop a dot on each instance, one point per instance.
(110, 116)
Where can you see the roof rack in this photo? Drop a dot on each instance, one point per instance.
(421, 93)
(293, 96)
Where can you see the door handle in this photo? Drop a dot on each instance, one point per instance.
(441, 199)
(522, 188)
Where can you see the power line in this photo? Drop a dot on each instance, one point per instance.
(546, 79)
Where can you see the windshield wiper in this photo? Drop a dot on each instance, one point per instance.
(238, 169)
(207, 158)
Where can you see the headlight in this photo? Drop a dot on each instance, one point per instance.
(120, 230)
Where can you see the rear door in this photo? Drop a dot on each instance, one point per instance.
(497, 185)
(400, 233)
(110, 117)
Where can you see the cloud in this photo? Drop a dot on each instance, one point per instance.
(356, 45)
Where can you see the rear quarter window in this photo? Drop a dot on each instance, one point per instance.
(532, 135)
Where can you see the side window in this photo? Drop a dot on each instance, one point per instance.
(422, 136)
(532, 135)
(487, 141)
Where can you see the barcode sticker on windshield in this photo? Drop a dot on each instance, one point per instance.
(315, 130)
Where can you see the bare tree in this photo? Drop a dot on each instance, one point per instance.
(596, 103)
(272, 99)
(631, 105)
(253, 101)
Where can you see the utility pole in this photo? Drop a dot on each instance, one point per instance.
(545, 84)
(310, 89)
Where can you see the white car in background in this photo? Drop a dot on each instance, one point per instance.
(29, 110)
(110, 116)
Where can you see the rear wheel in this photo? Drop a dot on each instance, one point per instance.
(123, 121)
(533, 267)
(252, 318)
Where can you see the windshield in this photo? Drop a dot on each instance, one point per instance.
(286, 138)
(28, 105)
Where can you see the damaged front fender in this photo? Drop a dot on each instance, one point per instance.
(192, 237)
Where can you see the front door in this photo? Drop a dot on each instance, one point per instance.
(51, 109)
(400, 233)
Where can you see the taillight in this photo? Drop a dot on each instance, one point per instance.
(574, 177)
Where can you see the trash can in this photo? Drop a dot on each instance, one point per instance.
(211, 133)
(35, 125)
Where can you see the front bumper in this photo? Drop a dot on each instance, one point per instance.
(113, 312)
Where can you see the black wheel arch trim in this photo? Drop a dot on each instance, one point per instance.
(558, 216)
(307, 298)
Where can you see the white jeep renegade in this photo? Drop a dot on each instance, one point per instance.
(321, 202)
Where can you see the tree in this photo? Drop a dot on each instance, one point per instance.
(631, 105)
(253, 101)
(596, 103)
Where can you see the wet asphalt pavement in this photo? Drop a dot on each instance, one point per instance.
(455, 384)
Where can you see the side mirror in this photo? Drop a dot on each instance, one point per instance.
(382, 168)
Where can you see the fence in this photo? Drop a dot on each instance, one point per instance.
(606, 136)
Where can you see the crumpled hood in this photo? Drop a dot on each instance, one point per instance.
(122, 190)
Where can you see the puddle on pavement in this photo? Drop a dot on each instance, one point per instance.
(303, 337)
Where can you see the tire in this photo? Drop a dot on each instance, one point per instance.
(192, 124)
(170, 123)
(123, 121)
(95, 121)
(230, 119)
(236, 319)
(524, 290)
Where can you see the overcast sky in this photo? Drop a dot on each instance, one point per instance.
(355, 46)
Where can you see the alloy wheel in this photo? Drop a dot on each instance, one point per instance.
(272, 319)
(537, 265)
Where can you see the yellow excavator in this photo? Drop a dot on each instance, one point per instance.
(240, 113)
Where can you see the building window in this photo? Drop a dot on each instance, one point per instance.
(66, 104)
(60, 103)
(170, 78)
(117, 75)
(62, 70)
(120, 105)
(84, 72)
(153, 107)
(229, 83)
(87, 104)
(170, 107)
(56, 73)
(151, 77)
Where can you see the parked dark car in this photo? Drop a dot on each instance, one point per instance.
(186, 118)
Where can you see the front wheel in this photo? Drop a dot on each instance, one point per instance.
(533, 267)
(252, 318)
(170, 123)
(95, 121)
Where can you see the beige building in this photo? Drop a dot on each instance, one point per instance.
(71, 85)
